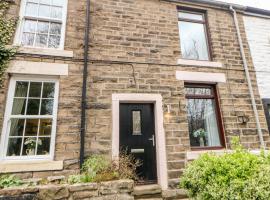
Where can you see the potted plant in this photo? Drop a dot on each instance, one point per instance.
(200, 133)
(30, 144)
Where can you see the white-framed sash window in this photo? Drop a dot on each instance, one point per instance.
(42, 24)
(30, 119)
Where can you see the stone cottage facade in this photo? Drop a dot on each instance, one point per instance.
(165, 81)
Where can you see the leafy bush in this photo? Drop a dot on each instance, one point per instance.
(9, 181)
(97, 168)
(237, 175)
(7, 27)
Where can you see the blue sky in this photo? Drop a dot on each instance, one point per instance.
(264, 4)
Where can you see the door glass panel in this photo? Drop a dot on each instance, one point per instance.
(136, 122)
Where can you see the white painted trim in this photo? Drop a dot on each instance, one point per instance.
(18, 34)
(40, 68)
(160, 134)
(201, 77)
(30, 166)
(9, 103)
(199, 63)
(45, 52)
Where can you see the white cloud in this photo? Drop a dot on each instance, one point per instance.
(263, 4)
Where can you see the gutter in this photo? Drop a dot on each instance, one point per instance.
(254, 106)
(219, 4)
(84, 85)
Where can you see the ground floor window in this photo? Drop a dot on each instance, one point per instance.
(30, 119)
(266, 105)
(203, 116)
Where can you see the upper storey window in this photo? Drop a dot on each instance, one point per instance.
(193, 35)
(42, 23)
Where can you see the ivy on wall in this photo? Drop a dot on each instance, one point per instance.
(7, 28)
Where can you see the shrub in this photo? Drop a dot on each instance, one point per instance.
(238, 175)
(9, 181)
(97, 168)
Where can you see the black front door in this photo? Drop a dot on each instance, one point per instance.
(137, 136)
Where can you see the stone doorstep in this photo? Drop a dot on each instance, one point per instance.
(147, 190)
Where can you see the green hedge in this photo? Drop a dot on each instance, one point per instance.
(232, 176)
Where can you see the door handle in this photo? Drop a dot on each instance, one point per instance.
(152, 139)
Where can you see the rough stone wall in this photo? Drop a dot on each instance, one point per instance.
(118, 190)
(134, 47)
(257, 29)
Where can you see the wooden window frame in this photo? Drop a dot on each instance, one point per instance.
(214, 96)
(204, 22)
(266, 103)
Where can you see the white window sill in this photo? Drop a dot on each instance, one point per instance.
(45, 52)
(199, 63)
(30, 166)
(193, 155)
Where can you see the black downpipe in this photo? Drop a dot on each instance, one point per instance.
(84, 86)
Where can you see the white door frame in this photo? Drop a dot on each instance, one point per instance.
(156, 99)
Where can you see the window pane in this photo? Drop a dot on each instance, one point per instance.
(31, 9)
(18, 107)
(30, 26)
(193, 41)
(48, 90)
(29, 146)
(34, 1)
(48, 2)
(35, 89)
(58, 2)
(193, 16)
(41, 40)
(198, 91)
(21, 89)
(43, 27)
(203, 127)
(45, 127)
(33, 107)
(136, 121)
(31, 128)
(28, 39)
(16, 127)
(54, 41)
(55, 29)
(43, 146)
(56, 12)
(47, 107)
(44, 11)
(14, 146)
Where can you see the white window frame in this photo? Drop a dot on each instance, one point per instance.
(18, 34)
(6, 124)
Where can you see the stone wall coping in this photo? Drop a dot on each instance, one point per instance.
(106, 188)
(199, 63)
(30, 166)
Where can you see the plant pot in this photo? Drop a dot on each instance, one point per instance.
(201, 142)
(30, 152)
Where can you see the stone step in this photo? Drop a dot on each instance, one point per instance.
(149, 192)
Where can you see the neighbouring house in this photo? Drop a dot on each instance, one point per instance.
(257, 25)
(164, 80)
